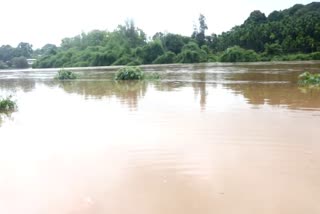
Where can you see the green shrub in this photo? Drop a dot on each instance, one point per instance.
(191, 53)
(273, 49)
(7, 104)
(237, 54)
(134, 62)
(315, 56)
(301, 57)
(65, 75)
(213, 58)
(309, 79)
(129, 73)
(167, 58)
(124, 60)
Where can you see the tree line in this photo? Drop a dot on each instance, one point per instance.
(11, 57)
(291, 34)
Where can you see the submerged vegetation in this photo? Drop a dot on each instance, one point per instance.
(65, 75)
(308, 79)
(129, 73)
(7, 104)
(134, 73)
(291, 34)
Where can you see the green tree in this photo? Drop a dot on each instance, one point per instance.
(199, 34)
(152, 51)
(237, 54)
(20, 62)
(167, 58)
(24, 49)
(173, 42)
(191, 53)
(7, 53)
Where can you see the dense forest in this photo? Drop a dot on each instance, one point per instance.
(291, 34)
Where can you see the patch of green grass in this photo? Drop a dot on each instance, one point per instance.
(7, 104)
(308, 79)
(65, 75)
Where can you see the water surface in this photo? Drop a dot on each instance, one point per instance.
(219, 138)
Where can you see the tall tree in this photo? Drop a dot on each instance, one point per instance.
(199, 34)
(24, 49)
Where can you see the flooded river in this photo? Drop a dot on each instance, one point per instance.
(219, 138)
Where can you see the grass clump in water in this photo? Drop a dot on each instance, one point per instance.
(65, 75)
(129, 73)
(7, 104)
(308, 79)
(134, 73)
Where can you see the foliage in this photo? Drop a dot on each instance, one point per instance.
(3, 65)
(273, 49)
(151, 51)
(7, 104)
(173, 42)
(48, 49)
(65, 75)
(191, 53)
(296, 29)
(167, 58)
(15, 57)
(20, 62)
(24, 49)
(315, 56)
(307, 78)
(199, 34)
(237, 54)
(129, 73)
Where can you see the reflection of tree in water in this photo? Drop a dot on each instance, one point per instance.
(129, 92)
(25, 85)
(170, 86)
(278, 94)
(199, 87)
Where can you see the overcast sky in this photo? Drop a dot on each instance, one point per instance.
(48, 21)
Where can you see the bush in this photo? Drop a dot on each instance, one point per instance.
(167, 58)
(301, 57)
(309, 79)
(212, 58)
(129, 73)
(124, 60)
(151, 52)
(191, 53)
(273, 49)
(65, 75)
(315, 56)
(237, 54)
(134, 62)
(7, 104)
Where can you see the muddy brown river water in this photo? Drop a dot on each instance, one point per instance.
(212, 138)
